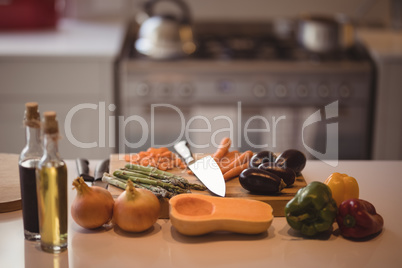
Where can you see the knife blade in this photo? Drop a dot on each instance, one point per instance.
(206, 169)
(101, 168)
(96, 180)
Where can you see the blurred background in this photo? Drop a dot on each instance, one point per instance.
(377, 12)
(252, 61)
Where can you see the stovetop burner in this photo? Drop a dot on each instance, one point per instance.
(253, 41)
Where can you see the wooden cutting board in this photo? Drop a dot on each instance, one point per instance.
(10, 194)
(233, 189)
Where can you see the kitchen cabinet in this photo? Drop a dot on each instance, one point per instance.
(385, 47)
(69, 70)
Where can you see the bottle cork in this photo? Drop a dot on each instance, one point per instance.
(50, 125)
(32, 117)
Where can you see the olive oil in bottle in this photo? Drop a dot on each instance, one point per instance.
(28, 161)
(51, 182)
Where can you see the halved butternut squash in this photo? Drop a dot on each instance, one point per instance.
(196, 214)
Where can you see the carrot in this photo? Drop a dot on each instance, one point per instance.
(142, 154)
(157, 150)
(169, 165)
(166, 154)
(222, 149)
(163, 166)
(234, 172)
(239, 160)
(182, 165)
(177, 162)
(161, 158)
(228, 158)
(144, 162)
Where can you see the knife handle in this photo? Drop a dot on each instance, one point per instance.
(83, 169)
(101, 168)
(184, 151)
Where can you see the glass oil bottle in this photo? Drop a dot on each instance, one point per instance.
(51, 182)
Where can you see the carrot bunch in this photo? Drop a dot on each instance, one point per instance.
(231, 163)
(161, 158)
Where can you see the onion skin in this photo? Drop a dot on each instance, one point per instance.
(136, 210)
(93, 206)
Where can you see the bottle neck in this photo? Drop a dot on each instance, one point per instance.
(51, 153)
(33, 148)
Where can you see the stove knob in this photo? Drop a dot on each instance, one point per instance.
(142, 89)
(164, 91)
(323, 91)
(344, 91)
(302, 91)
(259, 91)
(281, 91)
(186, 90)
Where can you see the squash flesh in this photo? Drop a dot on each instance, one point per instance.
(195, 214)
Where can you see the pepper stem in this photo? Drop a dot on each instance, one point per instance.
(349, 221)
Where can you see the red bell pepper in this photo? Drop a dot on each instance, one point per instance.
(358, 218)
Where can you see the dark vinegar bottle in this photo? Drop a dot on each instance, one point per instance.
(28, 161)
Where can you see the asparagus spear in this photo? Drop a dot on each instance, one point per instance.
(157, 190)
(168, 186)
(163, 175)
(154, 172)
(196, 186)
(113, 181)
(141, 175)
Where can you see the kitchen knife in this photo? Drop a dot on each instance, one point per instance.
(206, 169)
(101, 168)
(83, 171)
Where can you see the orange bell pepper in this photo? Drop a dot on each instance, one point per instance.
(343, 187)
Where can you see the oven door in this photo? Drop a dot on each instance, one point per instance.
(337, 134)
(277, 128)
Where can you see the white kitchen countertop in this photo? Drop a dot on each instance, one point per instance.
(162, 246)
(71, 38)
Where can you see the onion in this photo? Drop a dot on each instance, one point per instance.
(136, 210)
(93, 206)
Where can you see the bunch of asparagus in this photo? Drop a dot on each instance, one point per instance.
(161, 183)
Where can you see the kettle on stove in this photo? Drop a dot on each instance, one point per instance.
(165, 36)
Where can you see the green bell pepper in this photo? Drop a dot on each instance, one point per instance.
(312, 210)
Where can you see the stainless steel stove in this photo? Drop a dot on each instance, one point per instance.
(246, 83)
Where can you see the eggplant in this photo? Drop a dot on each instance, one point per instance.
(260, 181)
(261, 157)
(292, 159)
(286, 174)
